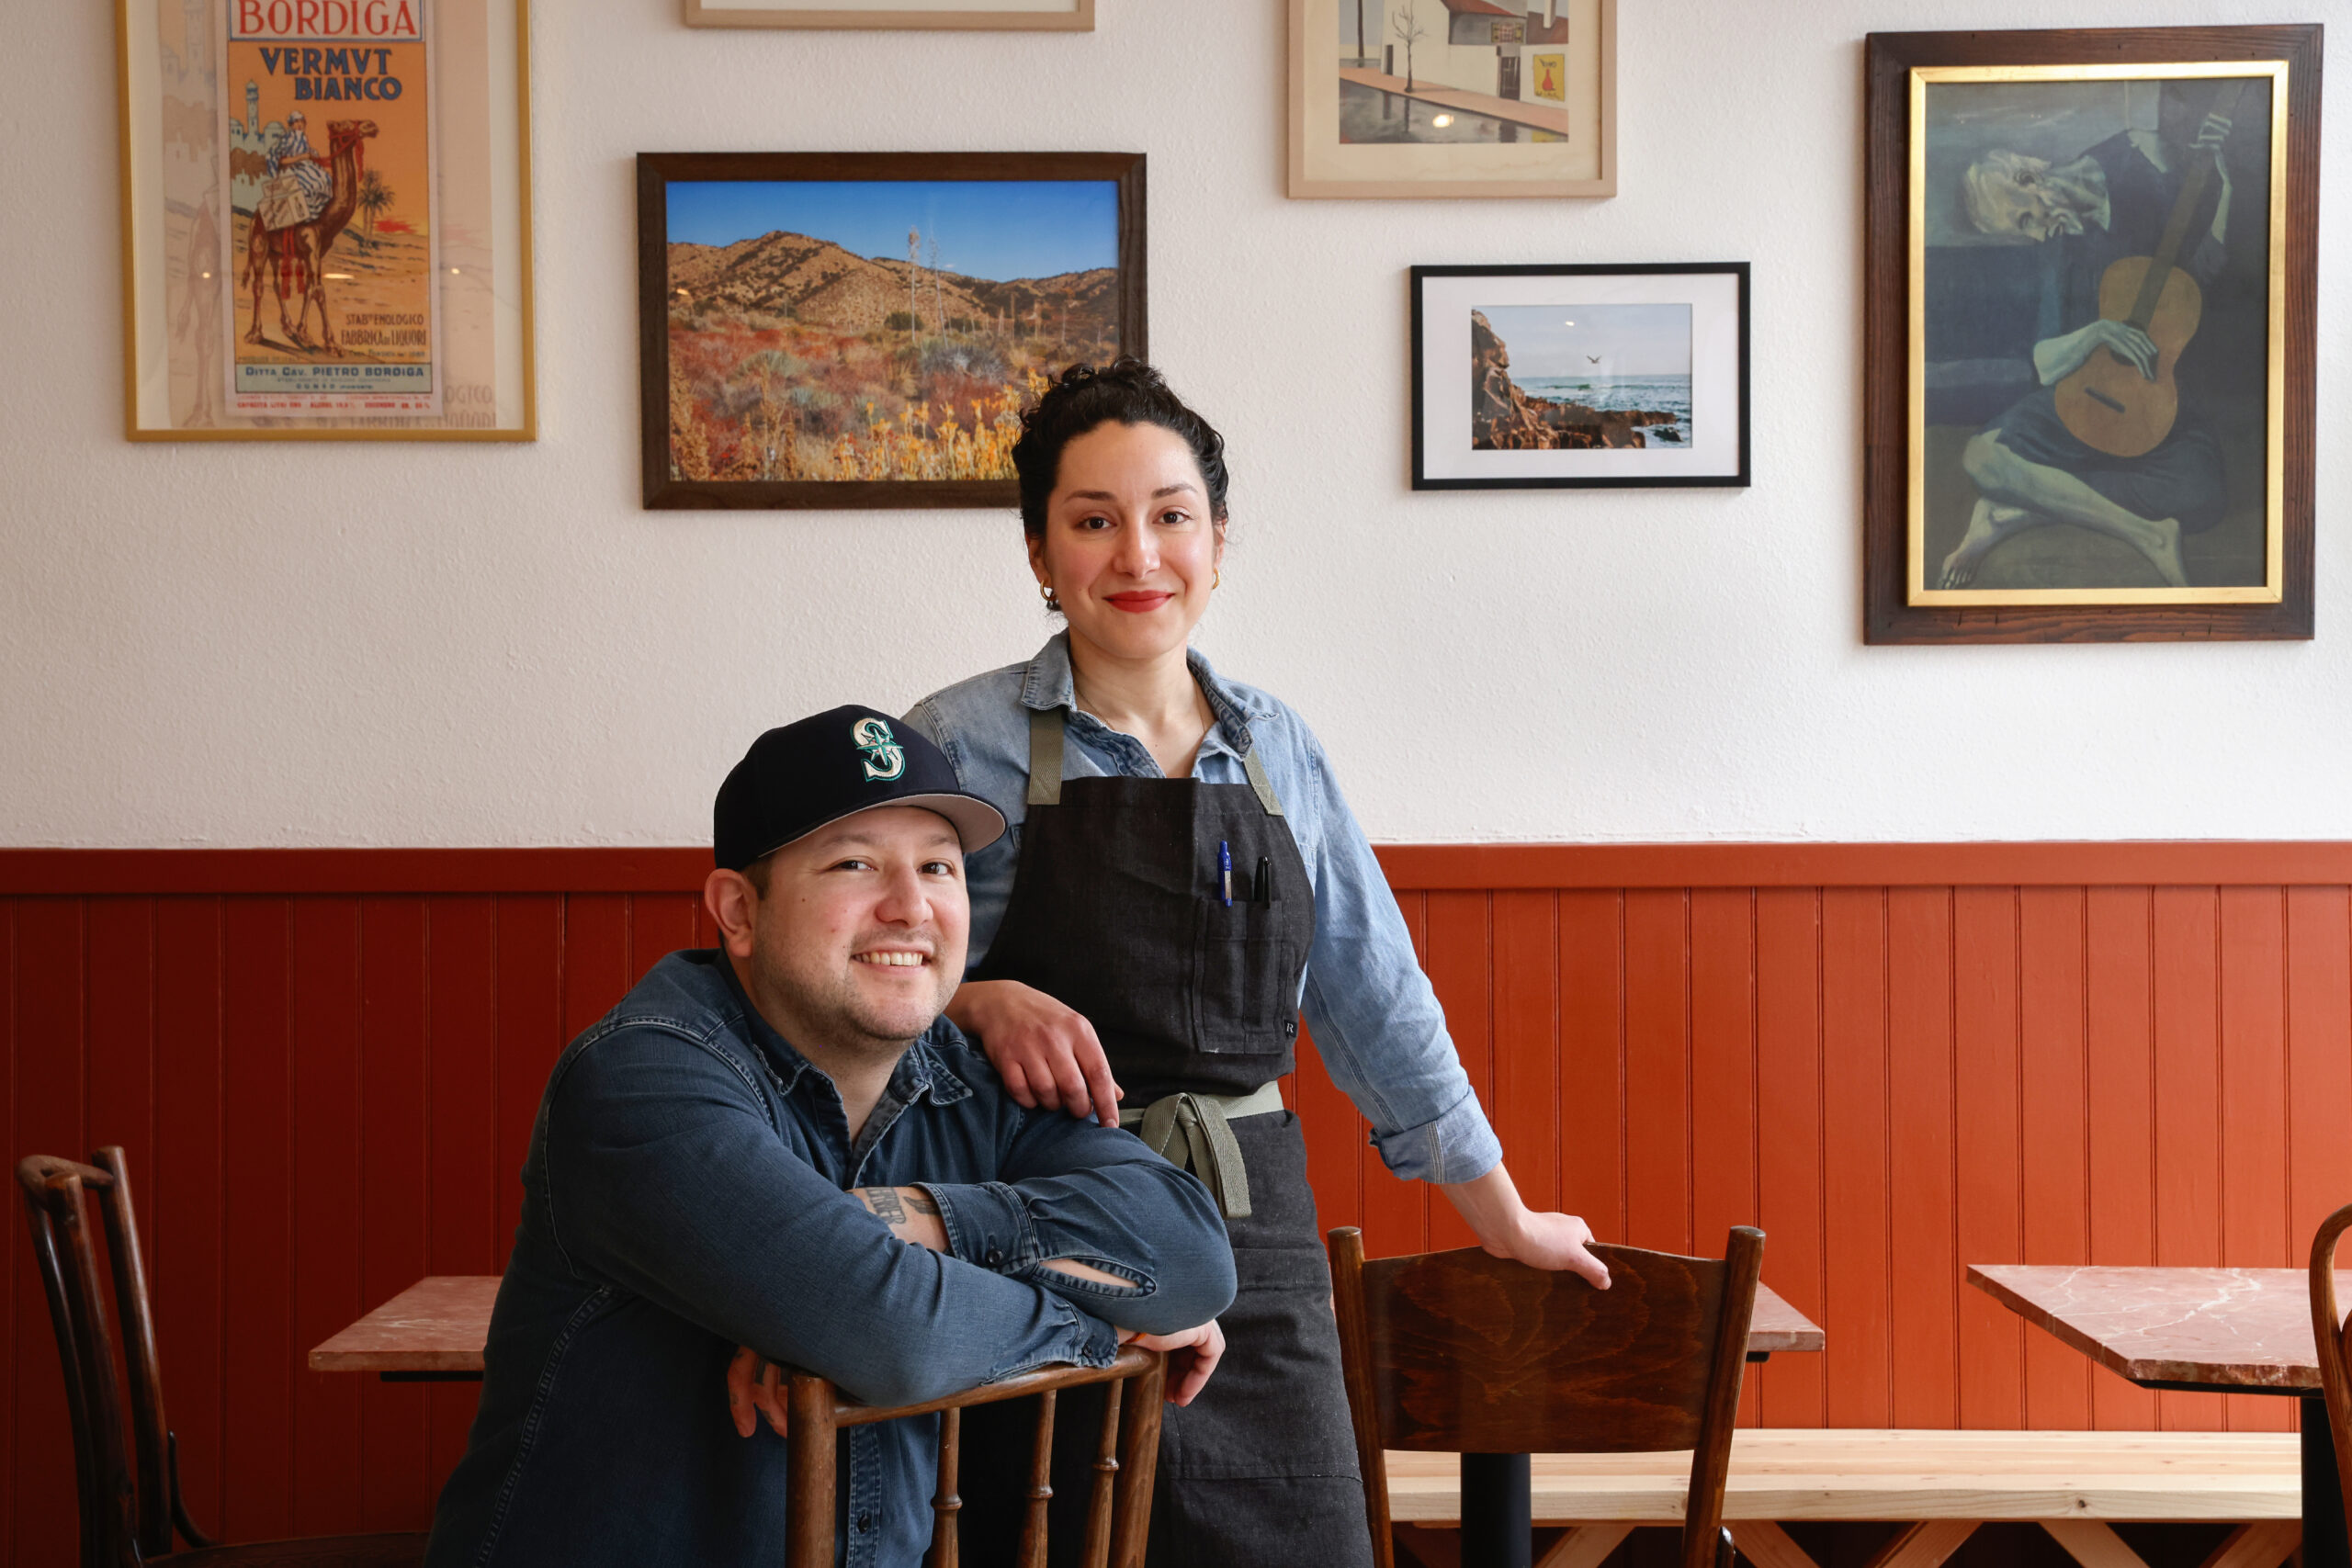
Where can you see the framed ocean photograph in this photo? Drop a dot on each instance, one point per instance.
(1065, 16)
(1452, 97)
(2091, 264)
(1540, 376)
(326, 219)
(861, 328)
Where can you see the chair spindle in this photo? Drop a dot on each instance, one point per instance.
(1041, 1487)
(945, 1502)
(1106, 1472)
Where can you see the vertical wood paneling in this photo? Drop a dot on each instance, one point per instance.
(2052, 1073)
(1657, 1069)
(1592, 1061)
(1460, 959)
(393, 1001)
(257, 1230)
(185, 1200)
(2118, 1038)
(329, 1151)
(1790, 1090)
(1921, 1073)
(2319, 1059)
(1527, 1103)
(1858, 1312)
(50, 1063)
(2254, 1100)
(2184, 951)
(325, 1096)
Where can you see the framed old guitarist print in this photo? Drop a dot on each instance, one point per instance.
(2090, 345)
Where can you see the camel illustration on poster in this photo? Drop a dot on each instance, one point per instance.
(329, 243)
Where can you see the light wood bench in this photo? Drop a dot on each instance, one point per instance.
(1942, 1483)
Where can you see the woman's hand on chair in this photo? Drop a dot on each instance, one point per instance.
(1046, 1054)
(1193, 1355)
(1507, 1227)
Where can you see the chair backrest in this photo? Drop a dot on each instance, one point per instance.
(2333, 1338)
(1461, 1352)
(130, 1498)
(1118, 1513)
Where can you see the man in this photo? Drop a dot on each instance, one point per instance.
(289, 153)
(2111, 202)
(780, 1144)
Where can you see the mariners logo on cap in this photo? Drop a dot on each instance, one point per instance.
(884, 758)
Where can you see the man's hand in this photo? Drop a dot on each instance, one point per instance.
(1046, 1054)
(2056, 358)
(755, 1388)
(1193, 1355)
(755, 1384)
(1507, 1227)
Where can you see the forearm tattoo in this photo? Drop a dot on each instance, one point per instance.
(919, 1201)
(883, 1202)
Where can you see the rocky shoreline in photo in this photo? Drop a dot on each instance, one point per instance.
(1505, 419)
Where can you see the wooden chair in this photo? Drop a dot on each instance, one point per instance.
(2333, 1338)
(1461, 1352)
(128, 1512)
(1118, 1513)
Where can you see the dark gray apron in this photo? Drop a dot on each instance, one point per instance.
(1118, 911)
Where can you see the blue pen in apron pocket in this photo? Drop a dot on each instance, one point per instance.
(1224, 871)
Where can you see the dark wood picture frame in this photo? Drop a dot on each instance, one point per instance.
(1888, 615)
(1736, 477)
(656, 170)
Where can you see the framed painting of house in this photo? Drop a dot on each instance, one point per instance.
(862, 329)
(1452, 97)
(1042, 15)
(2090, 346)
(326, 219)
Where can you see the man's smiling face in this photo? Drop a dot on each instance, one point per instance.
(859, 938)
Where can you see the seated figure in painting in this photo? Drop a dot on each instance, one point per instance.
(2111, 202)
(780, 1144)
(298, 184)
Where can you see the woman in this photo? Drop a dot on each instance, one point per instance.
(1181, 878)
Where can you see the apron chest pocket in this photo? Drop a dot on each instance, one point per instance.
(1246, 975)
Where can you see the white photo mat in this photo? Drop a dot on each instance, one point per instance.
(1443, 456)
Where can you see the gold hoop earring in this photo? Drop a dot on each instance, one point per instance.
(1045, 591)
(1216, 577)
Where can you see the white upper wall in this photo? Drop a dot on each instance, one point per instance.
(258, 645)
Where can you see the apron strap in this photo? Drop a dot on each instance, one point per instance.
(1046, 756)
(1189, 1132)
(1047, 734)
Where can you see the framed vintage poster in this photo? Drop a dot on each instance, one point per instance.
(1060, 16)
(1577, 376)
(861, 328)
(325, 220)
(1452, 97)
(2090, 349)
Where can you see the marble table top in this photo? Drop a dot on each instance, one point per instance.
(2247, 1327)
(439, 1324)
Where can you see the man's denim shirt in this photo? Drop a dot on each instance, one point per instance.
(1377, 1025)
(685, 1190)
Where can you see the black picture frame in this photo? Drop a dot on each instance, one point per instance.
(666, 488)
(1442, 453)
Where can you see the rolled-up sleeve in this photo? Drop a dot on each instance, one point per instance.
(1376, 1023)
(665, 1178)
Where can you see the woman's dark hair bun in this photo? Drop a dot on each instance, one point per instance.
(1125, 392)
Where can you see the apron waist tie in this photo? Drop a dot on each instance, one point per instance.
(1191, 1132)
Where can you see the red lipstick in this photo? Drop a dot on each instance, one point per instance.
(1137, 603)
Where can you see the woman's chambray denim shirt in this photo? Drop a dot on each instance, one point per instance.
(1376, 1023)
(685, 1190)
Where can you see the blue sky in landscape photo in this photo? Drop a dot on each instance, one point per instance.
(996, 230)
(1553, 341)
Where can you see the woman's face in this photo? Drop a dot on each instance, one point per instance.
(1129, 547)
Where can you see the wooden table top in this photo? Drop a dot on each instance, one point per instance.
(439, 1324)
(2247, 1328)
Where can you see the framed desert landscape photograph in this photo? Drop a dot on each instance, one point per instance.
(858, 330)
(1452, 97)
(2090, 345)
(326, 220)
(1563, 376)
(1065, 16)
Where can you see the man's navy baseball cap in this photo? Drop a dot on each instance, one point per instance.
(794, 780)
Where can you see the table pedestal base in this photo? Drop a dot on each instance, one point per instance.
(1497, 1531)
(2324, 1538)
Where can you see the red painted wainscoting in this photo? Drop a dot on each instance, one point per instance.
(1895, 1058)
